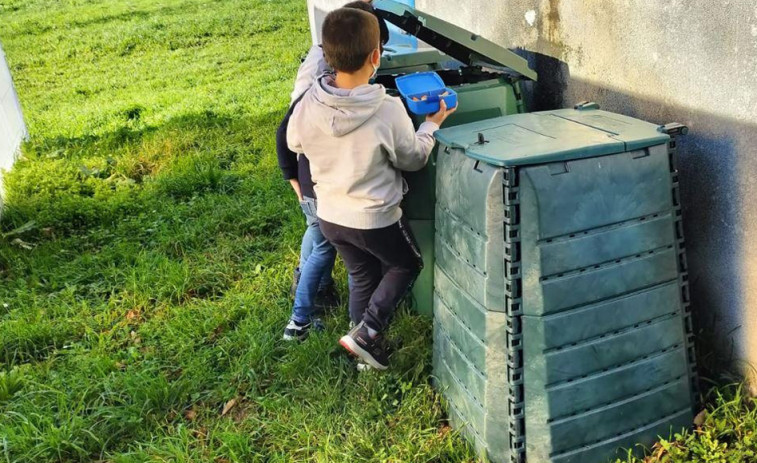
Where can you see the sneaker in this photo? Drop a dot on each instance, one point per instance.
(297, 332)
(327, 298)
(370, 350)
(361, 365)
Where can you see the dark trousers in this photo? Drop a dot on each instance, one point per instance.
(383, 263)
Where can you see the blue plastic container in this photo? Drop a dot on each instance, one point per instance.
(422, 92)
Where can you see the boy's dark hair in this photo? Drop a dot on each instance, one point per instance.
(367, 7)
(349, 35)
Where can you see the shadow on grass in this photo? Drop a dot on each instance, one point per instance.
(140, 217)
(74, 184)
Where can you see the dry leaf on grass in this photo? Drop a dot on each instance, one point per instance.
(190, 414)
(659, 451)
(699, 419)
(229, 405)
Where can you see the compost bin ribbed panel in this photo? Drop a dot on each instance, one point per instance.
(562, 330)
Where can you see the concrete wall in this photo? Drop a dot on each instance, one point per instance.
(690, 61)
(12, 128)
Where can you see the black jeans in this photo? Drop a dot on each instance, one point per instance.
(383, 264)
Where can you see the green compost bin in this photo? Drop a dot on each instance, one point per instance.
(487, 80)
(562, 330)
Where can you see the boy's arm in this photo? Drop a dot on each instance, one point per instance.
(292, 136)
(411, 148)
(313, 65)
(286, 157)
(296, 187)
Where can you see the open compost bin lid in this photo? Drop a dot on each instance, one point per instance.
(452, 40)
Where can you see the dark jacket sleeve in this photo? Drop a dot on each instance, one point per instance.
(287, 158)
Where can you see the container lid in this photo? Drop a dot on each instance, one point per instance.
(551, 136)
(421, 82)
(453, 40)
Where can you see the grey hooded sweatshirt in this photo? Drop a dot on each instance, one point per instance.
(358, 141)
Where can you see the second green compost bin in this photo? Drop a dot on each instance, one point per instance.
(562, 330)
(487, 79)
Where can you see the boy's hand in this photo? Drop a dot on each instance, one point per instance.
(296, 187)
(441, 116)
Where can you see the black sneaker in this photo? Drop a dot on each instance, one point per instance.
(370, 350)
(327, 298)
(360, 365)
(296, 332)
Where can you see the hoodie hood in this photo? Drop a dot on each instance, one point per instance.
(338, 111)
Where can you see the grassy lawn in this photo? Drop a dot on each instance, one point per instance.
(147, 249)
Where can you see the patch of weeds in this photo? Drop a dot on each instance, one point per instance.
(11, 382)
(196, 175)
(726, 431)
(23, 341)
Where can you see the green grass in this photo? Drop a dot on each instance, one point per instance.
(162, 242)
(147, 248)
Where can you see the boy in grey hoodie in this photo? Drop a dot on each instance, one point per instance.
(313, 288)
(358, 140)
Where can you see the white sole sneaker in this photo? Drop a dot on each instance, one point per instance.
(363, 367)
(296, 332)
(348, 343)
